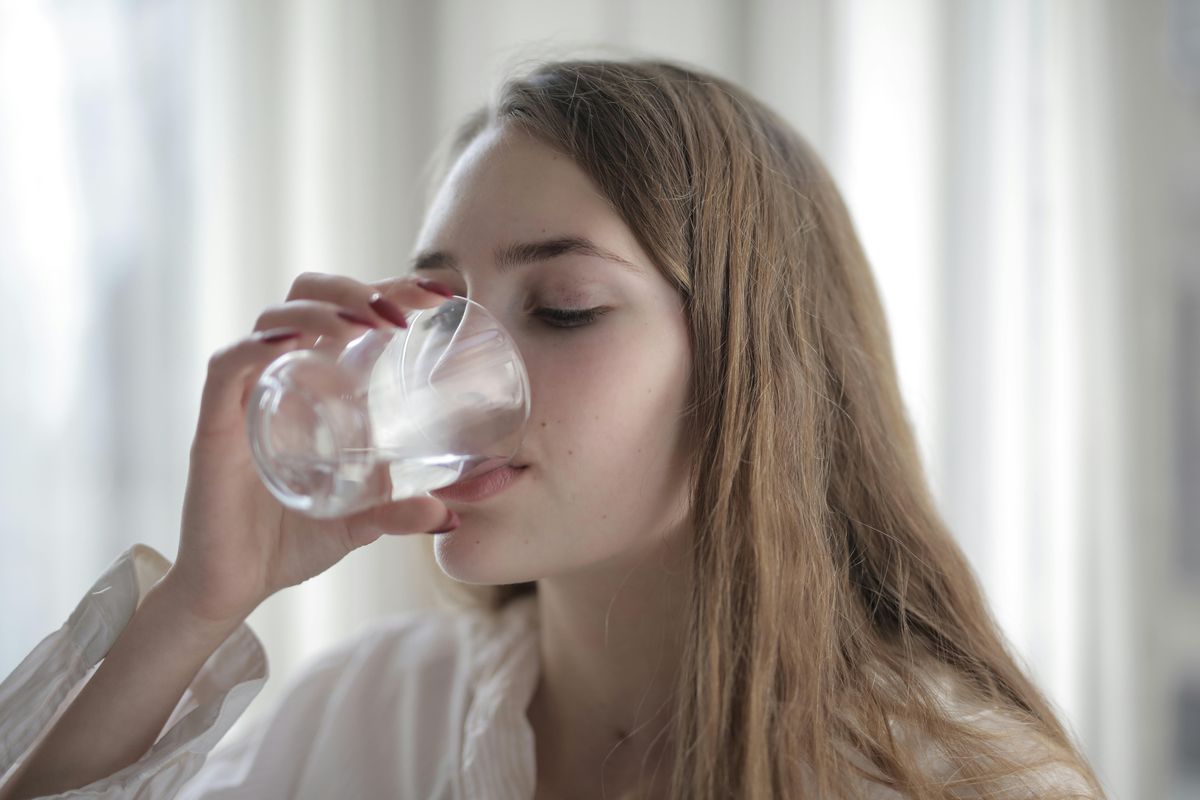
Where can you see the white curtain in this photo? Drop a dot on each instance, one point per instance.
(167, 168)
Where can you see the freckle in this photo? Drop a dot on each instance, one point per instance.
(476, 541)
(604, 516)
(570, 452)
(543, 424)
(526, 541)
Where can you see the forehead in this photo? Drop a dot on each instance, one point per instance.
(507, 183)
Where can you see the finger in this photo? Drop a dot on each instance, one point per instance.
(327, 326)
(409, 292)
(230, 370)
(396, 294)
(413, 291)
(412, 515)
(315, 317)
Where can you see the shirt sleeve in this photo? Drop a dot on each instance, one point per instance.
(43, 685)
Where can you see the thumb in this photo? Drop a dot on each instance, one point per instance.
(424, 514)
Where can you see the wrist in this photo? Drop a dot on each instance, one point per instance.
(167, 600)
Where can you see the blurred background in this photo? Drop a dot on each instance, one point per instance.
(1025, 176)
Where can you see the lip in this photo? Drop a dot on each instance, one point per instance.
(482, 486)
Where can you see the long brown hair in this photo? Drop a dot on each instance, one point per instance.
(837, 635)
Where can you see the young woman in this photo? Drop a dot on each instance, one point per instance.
(716, 570)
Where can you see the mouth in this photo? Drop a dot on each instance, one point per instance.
(481, 487)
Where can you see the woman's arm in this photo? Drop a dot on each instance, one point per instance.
(121, 710)
(237, 544)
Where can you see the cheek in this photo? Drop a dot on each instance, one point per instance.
(581, 401)
(606, 413)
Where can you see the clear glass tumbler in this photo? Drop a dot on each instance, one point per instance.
(394, 414)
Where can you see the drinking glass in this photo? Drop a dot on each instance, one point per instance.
(395, 413)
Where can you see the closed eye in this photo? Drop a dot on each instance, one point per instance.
(569, 317)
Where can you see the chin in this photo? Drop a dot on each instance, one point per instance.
(482, 558)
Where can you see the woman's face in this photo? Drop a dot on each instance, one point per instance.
(607, 473)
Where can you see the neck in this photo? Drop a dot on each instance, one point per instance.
(610, 644)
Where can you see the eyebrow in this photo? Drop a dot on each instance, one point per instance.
(512, 256)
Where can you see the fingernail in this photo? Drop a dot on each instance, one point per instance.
(450, 524)
(276, 335)
(388, 310)
(435, 287)
(350, 316)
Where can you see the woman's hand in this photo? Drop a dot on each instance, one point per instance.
(238, 545)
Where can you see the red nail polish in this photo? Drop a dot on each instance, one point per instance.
(276, 335)
(350, 316)
(452, 522)
(435, 287)
(388, 310)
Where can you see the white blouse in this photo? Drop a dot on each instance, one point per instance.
(428, 704)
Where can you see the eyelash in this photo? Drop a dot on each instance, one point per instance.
(576, 318)
(554, 317)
